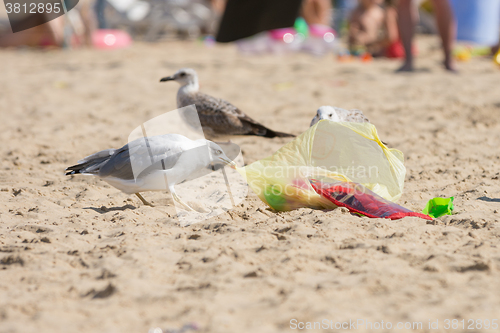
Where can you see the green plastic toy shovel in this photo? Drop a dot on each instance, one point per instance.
(438, 207)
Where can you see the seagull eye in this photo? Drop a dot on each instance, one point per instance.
(182, 74)
(218, 152)
(330, 115)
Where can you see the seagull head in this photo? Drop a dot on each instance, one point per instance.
(217, 155)
(325, 112)
(184, 76)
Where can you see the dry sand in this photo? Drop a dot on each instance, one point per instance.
(77, 255)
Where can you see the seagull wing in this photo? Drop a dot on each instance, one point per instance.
(143, 156)
(224, 118)
(92, 163)
(217, 114)
(354, 116)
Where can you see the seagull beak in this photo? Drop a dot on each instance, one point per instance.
(168, 78)
(228, 162)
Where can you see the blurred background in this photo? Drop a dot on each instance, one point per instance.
(345, 28)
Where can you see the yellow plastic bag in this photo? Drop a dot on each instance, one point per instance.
(341, 151)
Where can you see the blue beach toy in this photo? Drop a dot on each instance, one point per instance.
(478, 21)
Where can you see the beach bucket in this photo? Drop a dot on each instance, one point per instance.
(478, 21)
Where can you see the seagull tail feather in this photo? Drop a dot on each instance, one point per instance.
(274, 134)
(80, 168)
(90, 164)
(258, 129)
(261, 130)
(269, 133)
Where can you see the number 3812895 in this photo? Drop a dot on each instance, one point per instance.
(33, 8)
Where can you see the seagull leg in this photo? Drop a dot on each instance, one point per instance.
(144, 200)
(176, 198)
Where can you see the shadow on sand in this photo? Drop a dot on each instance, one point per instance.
(104, 209)
(489, 199)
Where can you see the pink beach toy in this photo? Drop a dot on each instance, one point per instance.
(323, 31)
(282, 41)
(110, 39)
(286, 34)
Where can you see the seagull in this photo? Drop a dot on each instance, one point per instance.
(217, 116)
(334, 113)
(153, 164)
(340, 115)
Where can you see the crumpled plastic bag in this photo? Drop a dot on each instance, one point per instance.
(348, 152)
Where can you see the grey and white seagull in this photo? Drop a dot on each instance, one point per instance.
(153, 163)
(217, 116)
(334, 113)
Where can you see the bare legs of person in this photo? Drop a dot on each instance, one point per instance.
(317, 11)
(447, 30)
(407, 19)
(408, 15)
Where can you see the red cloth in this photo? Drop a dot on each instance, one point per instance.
(396, 50)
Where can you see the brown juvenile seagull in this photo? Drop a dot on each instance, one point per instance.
(334, 113)
(217, 116)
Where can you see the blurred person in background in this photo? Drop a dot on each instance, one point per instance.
(394, 47)
(73, 29)
(374, 29)
(407, 18)
(365, 24)
(218, 6)
(317, 12)
(245, 18)
(99, 8)
(43, 33)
